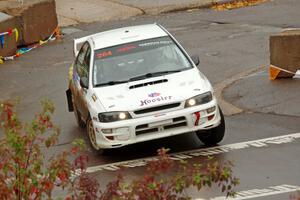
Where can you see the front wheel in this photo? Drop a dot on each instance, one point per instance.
(92, 137)
(214, 135)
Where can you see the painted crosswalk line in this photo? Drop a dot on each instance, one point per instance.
(261, 143)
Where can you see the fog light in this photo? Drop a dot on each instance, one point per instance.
(123, 137)
(122, 133)
(210, 110)
(107, 131)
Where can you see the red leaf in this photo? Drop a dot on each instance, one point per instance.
(62, 176)
(48, 185)
(74, 150)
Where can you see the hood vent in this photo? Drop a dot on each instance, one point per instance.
(148, 83)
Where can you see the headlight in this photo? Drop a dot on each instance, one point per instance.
(113, 116)
(198, 100)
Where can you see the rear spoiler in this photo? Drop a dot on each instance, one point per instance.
(78, 43)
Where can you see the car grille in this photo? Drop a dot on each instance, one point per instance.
(144, 128)
(157, 108)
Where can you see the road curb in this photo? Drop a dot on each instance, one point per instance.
(228, 108)
(204, 6)
(70, 18)
(155, 10)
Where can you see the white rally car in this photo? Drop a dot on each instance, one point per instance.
(136, 84)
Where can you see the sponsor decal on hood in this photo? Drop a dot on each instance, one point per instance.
(153, 98)
(155, 94)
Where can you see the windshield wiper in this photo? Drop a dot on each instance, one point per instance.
(140, 77)
(110, 83)
(153, 74)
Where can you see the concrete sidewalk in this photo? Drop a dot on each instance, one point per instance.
(71, 12)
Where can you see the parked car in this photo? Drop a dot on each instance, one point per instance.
(136, 84)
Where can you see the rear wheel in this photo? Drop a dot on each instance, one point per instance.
(214, 135)
(77, 114)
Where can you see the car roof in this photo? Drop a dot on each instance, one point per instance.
(125, 35)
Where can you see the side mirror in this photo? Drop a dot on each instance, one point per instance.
(84, 82)
(195, 59)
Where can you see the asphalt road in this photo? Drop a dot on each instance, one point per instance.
(228, 43)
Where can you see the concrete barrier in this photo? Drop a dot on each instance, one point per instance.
(285, 54)
(8, 45)
(36, 19)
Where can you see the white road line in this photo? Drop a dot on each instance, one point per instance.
(261, 143)
(255, 193)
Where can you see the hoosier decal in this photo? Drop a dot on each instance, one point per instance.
(154, 97)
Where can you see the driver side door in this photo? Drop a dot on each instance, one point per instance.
(82, 70)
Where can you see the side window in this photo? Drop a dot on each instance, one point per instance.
(87, 59)
(83, 60)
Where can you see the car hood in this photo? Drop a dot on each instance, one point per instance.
(155, 91)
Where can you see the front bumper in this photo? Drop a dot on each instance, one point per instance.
(158, 125)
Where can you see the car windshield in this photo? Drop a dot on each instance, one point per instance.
(138, 60)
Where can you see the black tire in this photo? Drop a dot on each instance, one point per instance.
(215, 135)
(92, 137)
(77, 114)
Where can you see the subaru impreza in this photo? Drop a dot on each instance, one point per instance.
(136, 84)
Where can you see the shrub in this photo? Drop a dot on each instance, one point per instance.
(26, 173)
